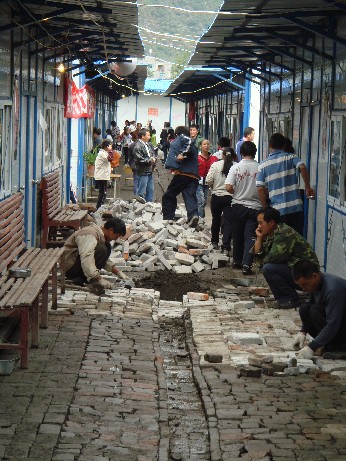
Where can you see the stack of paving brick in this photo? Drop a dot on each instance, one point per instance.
(157, 244)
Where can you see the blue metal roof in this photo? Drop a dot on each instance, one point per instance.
(156, 85)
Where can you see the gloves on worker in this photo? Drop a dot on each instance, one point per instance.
(122, 276)
(299, 340)
(129, 283)
(305, 353)
(101, 282)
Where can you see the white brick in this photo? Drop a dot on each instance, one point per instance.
(171, 243)
(164, 261)
(156, 226)
(194, 243)
(245, 304)
(185, 259)
(135, 237)
(245, 338)
(198, 266)
(182, 270)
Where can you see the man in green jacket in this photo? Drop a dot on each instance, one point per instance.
(279, 247)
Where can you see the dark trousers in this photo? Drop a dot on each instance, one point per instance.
(185, 185)
(280, 281)
(221, 205)
(102, 187)
(313, 318)
(295, 220)
(102, 253)
(126, 154)
(165, 148)
(244, 224)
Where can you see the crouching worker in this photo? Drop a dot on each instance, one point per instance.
(88, 250)
(324, 317)
(279, 248)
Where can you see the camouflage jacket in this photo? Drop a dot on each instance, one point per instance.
(286, 246)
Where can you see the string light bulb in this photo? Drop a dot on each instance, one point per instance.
(61, 68)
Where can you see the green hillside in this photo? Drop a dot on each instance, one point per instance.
(172, 21)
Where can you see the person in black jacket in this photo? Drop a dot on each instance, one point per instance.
(183, 160)
(164, 141)
(145, 161)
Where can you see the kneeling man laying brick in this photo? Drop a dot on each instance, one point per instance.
(88, 250)
(324, 317)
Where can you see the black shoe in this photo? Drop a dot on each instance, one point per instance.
(79, 281)
(236, 266)
(193, 221)
(291, 304)
(247, 270)
(139, 199)
(335, 355)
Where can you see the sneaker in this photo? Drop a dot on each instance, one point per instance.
(226, 251)
(193, 221)
(236, 266)
(139, 198)
(334, 355)
(247, 270)
(215, 245)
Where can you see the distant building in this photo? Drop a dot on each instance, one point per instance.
(157, 69)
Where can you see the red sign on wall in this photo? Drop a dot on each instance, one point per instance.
(153, 111)
(78, 102)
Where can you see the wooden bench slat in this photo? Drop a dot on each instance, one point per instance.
(20, 296)
(53, 214)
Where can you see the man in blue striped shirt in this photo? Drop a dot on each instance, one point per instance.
(277, 176)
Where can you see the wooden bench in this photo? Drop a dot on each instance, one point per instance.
(25, 299)
(55, 218)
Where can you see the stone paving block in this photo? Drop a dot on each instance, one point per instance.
(194, 243)
(197, 296)
(244, 304)
(245, 338)
(197, 266)
(156, 226)
(184, 259)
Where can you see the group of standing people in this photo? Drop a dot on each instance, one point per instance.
(262, 212)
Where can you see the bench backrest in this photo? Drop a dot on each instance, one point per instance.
(12, 238)
(51, 195)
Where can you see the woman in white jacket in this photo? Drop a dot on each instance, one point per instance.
(221, 202)
(103, 171)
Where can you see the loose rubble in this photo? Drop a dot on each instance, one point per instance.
(156, 244)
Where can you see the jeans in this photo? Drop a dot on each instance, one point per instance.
(188, 187)
(221, 205)
(244, 224)
(202, 197)
(294, 220)
(102, 253)
(145, 187)
(280, 281)
(102, 187)
(313, 318)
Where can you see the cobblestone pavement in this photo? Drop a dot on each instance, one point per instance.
(125, 377)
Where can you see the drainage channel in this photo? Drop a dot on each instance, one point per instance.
(189, 439)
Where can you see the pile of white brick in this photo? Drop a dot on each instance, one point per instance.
(156, 244)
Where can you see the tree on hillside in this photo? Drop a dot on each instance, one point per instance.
(180, 62)
(180, 23)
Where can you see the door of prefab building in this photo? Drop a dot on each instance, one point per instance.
(29, 171)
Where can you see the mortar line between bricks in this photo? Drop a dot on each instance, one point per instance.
(200, 382)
